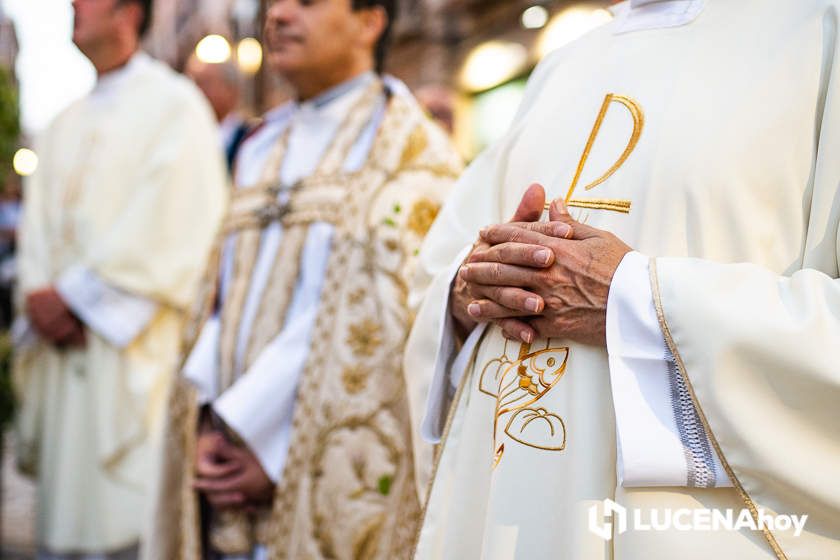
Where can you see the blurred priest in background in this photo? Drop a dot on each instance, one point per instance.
(289, 432)
(118, 222)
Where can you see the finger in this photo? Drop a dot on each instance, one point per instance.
(551, 229)
(62, 332)
(514, 229)
(210, 443)
(537, 234)
(229, 451)
(531, 206)
(520, 254)
(210, 469)
(484, 310)
(498, 274)
(517, 300)
(218, 485)
(515, 329)
(558, 212)
(226, 500)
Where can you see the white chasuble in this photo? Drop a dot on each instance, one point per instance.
(120, 218)
(735, 163)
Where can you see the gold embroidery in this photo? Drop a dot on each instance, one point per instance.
(422, 216)
(312, 510)
(416, 144)
(356, 296)
(365, 337)
(616, 205)
(516, 386)
(622, 206)
(354, 379)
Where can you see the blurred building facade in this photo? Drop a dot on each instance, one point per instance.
(483, 50)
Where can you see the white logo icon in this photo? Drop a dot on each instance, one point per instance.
(608, 509)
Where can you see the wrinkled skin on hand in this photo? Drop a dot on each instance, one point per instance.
(548, 280)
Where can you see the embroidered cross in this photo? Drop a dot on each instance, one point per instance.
(614, 205)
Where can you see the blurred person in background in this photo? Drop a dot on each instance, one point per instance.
(304, 447)
(220, 83)
(118, 222)
(439, 102)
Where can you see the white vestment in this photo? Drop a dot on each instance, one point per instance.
(120, 218)
(718, 378)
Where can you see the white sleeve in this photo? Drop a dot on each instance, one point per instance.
(202, 365)
(449, 362)
(259, 406)
(112, 313)
(661, 441)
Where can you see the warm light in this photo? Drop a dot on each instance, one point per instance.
(570, 24)
(25, 162)
(213, 49)
(249, 55)
(493, 63)
(534, 17)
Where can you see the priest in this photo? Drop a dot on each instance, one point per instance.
(659, 351)
(289, 433)
(118, 221)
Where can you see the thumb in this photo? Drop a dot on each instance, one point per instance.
(531, 206)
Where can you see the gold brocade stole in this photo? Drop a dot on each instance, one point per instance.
(316, 198)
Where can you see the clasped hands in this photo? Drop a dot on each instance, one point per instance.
(228, 473)
(53, 319)
(539, 279)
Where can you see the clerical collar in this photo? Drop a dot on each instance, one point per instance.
(110, 82)
(338, 91)
(320, 102)
(641, 15)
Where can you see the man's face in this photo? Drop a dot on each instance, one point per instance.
(312, 36)
(96, 23)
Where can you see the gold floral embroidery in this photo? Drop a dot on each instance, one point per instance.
(518, 384)
(365, 337)
(416, 144)
(356, 296)
(422, 216)
(354, 379)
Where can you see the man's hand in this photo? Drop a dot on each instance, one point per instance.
(573, 288)
(53, 320)
(465, 296)
(229, 475)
